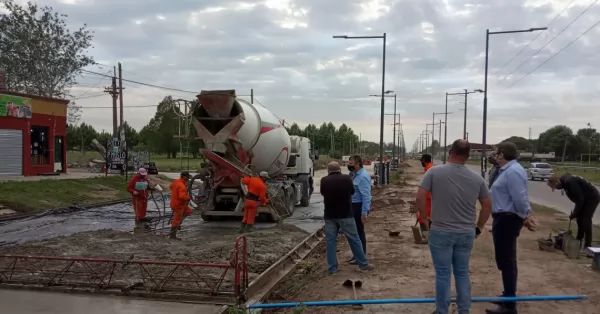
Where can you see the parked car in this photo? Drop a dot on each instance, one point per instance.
(539, 170)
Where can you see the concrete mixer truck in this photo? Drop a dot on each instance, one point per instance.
(242, 139)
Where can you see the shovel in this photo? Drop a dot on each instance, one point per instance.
(354, 284)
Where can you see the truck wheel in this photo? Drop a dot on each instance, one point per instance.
(207, 217)
(305, 200)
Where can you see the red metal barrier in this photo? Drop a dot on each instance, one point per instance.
(179, 280)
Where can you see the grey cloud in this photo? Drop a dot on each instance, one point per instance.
(420, 71)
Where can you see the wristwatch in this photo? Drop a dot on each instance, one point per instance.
(477, 231)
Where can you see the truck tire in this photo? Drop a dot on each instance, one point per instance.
(207, 217)
(305, 200)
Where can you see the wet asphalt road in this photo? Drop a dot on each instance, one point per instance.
(540, 193)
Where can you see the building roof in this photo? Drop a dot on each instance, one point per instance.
(56, 100)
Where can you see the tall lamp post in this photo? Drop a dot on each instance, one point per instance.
(485, 89)
(381, 149)
(433, 121)
(394, 139)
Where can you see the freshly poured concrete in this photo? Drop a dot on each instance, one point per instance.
(34, 302)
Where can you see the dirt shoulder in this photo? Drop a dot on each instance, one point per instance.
(35, 196)
(404, 269)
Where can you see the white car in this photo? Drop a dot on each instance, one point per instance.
(539, 170)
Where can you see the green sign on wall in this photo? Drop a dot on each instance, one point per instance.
(14, 106)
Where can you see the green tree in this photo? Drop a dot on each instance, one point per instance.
(40, 54)
(521, 142)
(158, 134)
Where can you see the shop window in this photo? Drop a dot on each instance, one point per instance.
(40, 147)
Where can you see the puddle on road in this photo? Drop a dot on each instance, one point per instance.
(120, 217)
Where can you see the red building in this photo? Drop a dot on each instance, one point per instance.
(33, 134)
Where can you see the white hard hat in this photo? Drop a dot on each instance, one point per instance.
(264, 174)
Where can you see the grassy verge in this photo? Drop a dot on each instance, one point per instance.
(558, 221)
(34, 196)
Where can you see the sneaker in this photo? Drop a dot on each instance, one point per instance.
(332, 272)
(367, 268)
(352, 261)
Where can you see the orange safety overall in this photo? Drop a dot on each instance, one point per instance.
(139, 184)
(179, 202)
(428, 206)
(257, 191)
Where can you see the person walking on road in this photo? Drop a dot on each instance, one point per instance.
(179, 202)
(139, 186)
(361, 199)
(257, 192)
(455, 190)
(337, 190)
(586, 198)
(511, 211)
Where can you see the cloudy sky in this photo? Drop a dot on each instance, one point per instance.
(284, 50)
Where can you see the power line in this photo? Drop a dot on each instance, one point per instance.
(144, 84)
(534, 38)
(551, 40)
(554, 55)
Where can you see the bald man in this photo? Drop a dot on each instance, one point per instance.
(337, 190)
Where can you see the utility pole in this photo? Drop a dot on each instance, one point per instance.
(432, 134)
(112, 90)
(120, 96)
(465, 119)
(252, 95)
(440, 133)
(564, 148)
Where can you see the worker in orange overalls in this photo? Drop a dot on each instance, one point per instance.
(257, 192)
(179, 202)
(139, 186)
(427, 163)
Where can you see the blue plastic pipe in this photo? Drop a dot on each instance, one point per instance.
(417, 300)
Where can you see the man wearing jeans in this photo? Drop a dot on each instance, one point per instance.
(361, 199)
(337, 190)
(454, 189)
(511, 210)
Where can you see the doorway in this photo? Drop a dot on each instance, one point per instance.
(59, 146)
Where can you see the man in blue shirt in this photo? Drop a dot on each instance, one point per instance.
(361, 199)
(510, 212)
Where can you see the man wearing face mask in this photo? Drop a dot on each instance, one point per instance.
(493, 175)
(139, 186)
(361, 199)
(586, 198)
(510, 212)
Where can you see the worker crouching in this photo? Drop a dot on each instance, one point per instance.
(139, 186)
(179, 202)
(257, 192)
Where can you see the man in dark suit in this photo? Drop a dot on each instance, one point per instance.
(337, 190)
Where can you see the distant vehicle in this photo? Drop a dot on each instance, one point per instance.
(345, 160)
(152, 169)
(539, 170)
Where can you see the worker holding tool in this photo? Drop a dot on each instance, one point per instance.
(257, 192)
(427, 163)
(179, 202)
(139, 186)
(586, 198)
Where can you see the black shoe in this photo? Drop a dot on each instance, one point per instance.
(501, 310)
(242, 228)
(249, 228)
(173, 234)
(498, 303)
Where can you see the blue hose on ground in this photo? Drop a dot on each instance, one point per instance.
(417, 300)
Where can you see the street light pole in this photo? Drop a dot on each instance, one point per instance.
(381, 144)
(394, 138)
(485, 90)
(445, 128)
(465, 118)
(432, 134)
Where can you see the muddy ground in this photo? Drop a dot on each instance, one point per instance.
(404, 269)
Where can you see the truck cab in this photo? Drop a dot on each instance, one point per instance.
(300, 168)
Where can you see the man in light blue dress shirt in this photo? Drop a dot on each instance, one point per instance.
(510, 212)
(361, 199)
